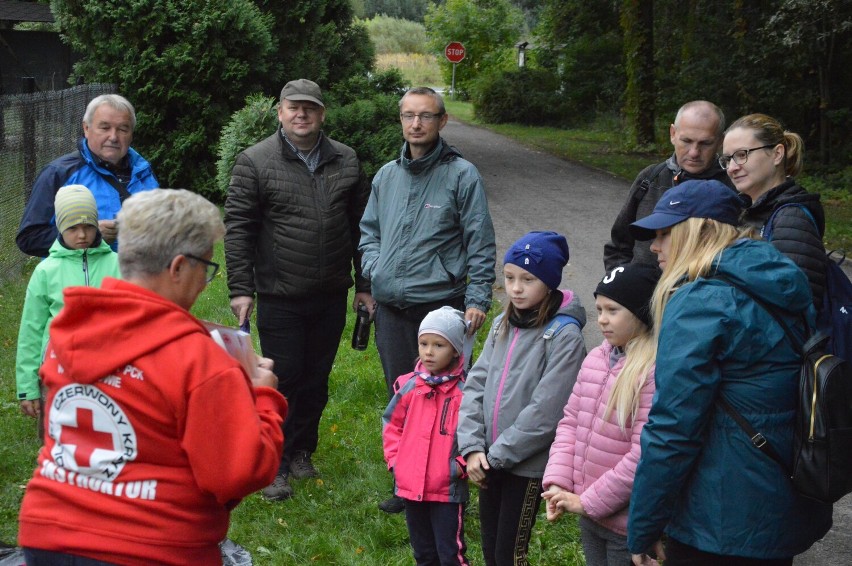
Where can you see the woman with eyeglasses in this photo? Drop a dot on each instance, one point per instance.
(762, 159)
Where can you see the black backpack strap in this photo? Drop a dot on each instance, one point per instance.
(797, 343)
(648, 182)
(757, 439)
(123, 193)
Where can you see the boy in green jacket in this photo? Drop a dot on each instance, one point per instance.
(79, 256)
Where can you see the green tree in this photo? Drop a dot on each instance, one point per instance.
(185, 66)
(637, 22)
(317, 40)
(487, 28)
(582, 42)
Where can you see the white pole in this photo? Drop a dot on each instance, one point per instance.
(454, 82)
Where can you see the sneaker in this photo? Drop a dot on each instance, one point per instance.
(393, 505)
(279, 490)
(301, 466)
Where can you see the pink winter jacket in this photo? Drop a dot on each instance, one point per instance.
(419, 438)
(593, 457)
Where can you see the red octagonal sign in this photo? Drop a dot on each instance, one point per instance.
(454, 52)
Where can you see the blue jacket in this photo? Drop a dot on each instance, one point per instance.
(426, 234)
(38, 224)
(699, 478)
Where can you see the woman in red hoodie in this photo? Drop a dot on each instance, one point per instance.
(154, 432)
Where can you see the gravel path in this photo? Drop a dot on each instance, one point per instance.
(531, 190)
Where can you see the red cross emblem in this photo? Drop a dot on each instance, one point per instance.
(85, 437)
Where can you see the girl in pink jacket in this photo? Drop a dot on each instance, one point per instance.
(594, 456)
(419, 439)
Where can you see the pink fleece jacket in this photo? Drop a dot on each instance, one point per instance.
(591, 456)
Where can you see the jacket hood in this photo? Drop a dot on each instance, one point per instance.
(758, 266)
(120, 313)
(680, 175)
(99, 246)
(442, 153)
(789, 192)
(572, 307)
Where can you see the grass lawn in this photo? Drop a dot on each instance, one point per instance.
(330, 521)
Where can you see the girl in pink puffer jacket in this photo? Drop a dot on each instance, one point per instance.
(594, 455)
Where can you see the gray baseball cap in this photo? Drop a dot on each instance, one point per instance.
(302, 89)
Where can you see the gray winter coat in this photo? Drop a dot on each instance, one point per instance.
(426, 234)
(515, 393)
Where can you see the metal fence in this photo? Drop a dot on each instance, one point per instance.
(34, 130)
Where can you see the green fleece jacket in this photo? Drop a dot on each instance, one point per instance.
(62, 268)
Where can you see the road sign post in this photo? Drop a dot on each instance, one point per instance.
(454, 52)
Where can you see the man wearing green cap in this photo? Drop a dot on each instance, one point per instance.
(292, 214)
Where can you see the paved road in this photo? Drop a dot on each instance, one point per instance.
(530, 190)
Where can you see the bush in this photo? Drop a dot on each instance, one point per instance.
(247, 126)
(393, 35)
(361, 112)
(524, 96)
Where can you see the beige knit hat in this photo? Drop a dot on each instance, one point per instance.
(74, 205)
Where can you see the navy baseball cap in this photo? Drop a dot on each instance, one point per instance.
(691, 199)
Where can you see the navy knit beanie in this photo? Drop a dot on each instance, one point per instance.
(543, 254)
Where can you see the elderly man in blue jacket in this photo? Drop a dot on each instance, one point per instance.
(104, 163)
(426, 237)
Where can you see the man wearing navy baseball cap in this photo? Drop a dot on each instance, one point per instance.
(691, 199)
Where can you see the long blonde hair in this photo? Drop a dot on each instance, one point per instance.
(640, 356)
(695, 245)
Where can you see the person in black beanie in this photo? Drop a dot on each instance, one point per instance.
(594, 456)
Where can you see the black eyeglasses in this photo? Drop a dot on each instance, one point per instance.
(212, 266)
(740, 157)
(425, 117)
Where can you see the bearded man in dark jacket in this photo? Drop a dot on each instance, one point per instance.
(292, 214)
(696, 135)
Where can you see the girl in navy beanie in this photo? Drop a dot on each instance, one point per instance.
(514, 394)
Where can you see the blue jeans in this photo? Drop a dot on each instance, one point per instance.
(680, 554)
(302, 336)
(396, 336)
(436, 532)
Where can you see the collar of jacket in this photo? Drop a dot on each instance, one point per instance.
(327, 152)
(442, 153)
(679, 175)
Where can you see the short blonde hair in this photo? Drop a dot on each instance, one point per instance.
(155, 226)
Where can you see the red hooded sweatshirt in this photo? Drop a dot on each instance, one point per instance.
(154, 433)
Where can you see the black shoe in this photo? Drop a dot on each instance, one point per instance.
(393, 505)
(278, 490)
(301, 466)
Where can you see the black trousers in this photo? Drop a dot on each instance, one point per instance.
(396, 336)
(38, 557)
(436, 532)
(679, 554)
(302, 336)
(507, 513)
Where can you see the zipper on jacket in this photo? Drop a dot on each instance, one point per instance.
(444, 411)
(86, 266)
(499, 398)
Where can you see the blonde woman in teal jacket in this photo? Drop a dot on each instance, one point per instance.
(79, 256)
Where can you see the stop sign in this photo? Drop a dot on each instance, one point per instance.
(454, 52)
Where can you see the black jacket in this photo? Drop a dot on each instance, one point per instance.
(292, 233)
(646, 190)
(794, 233)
